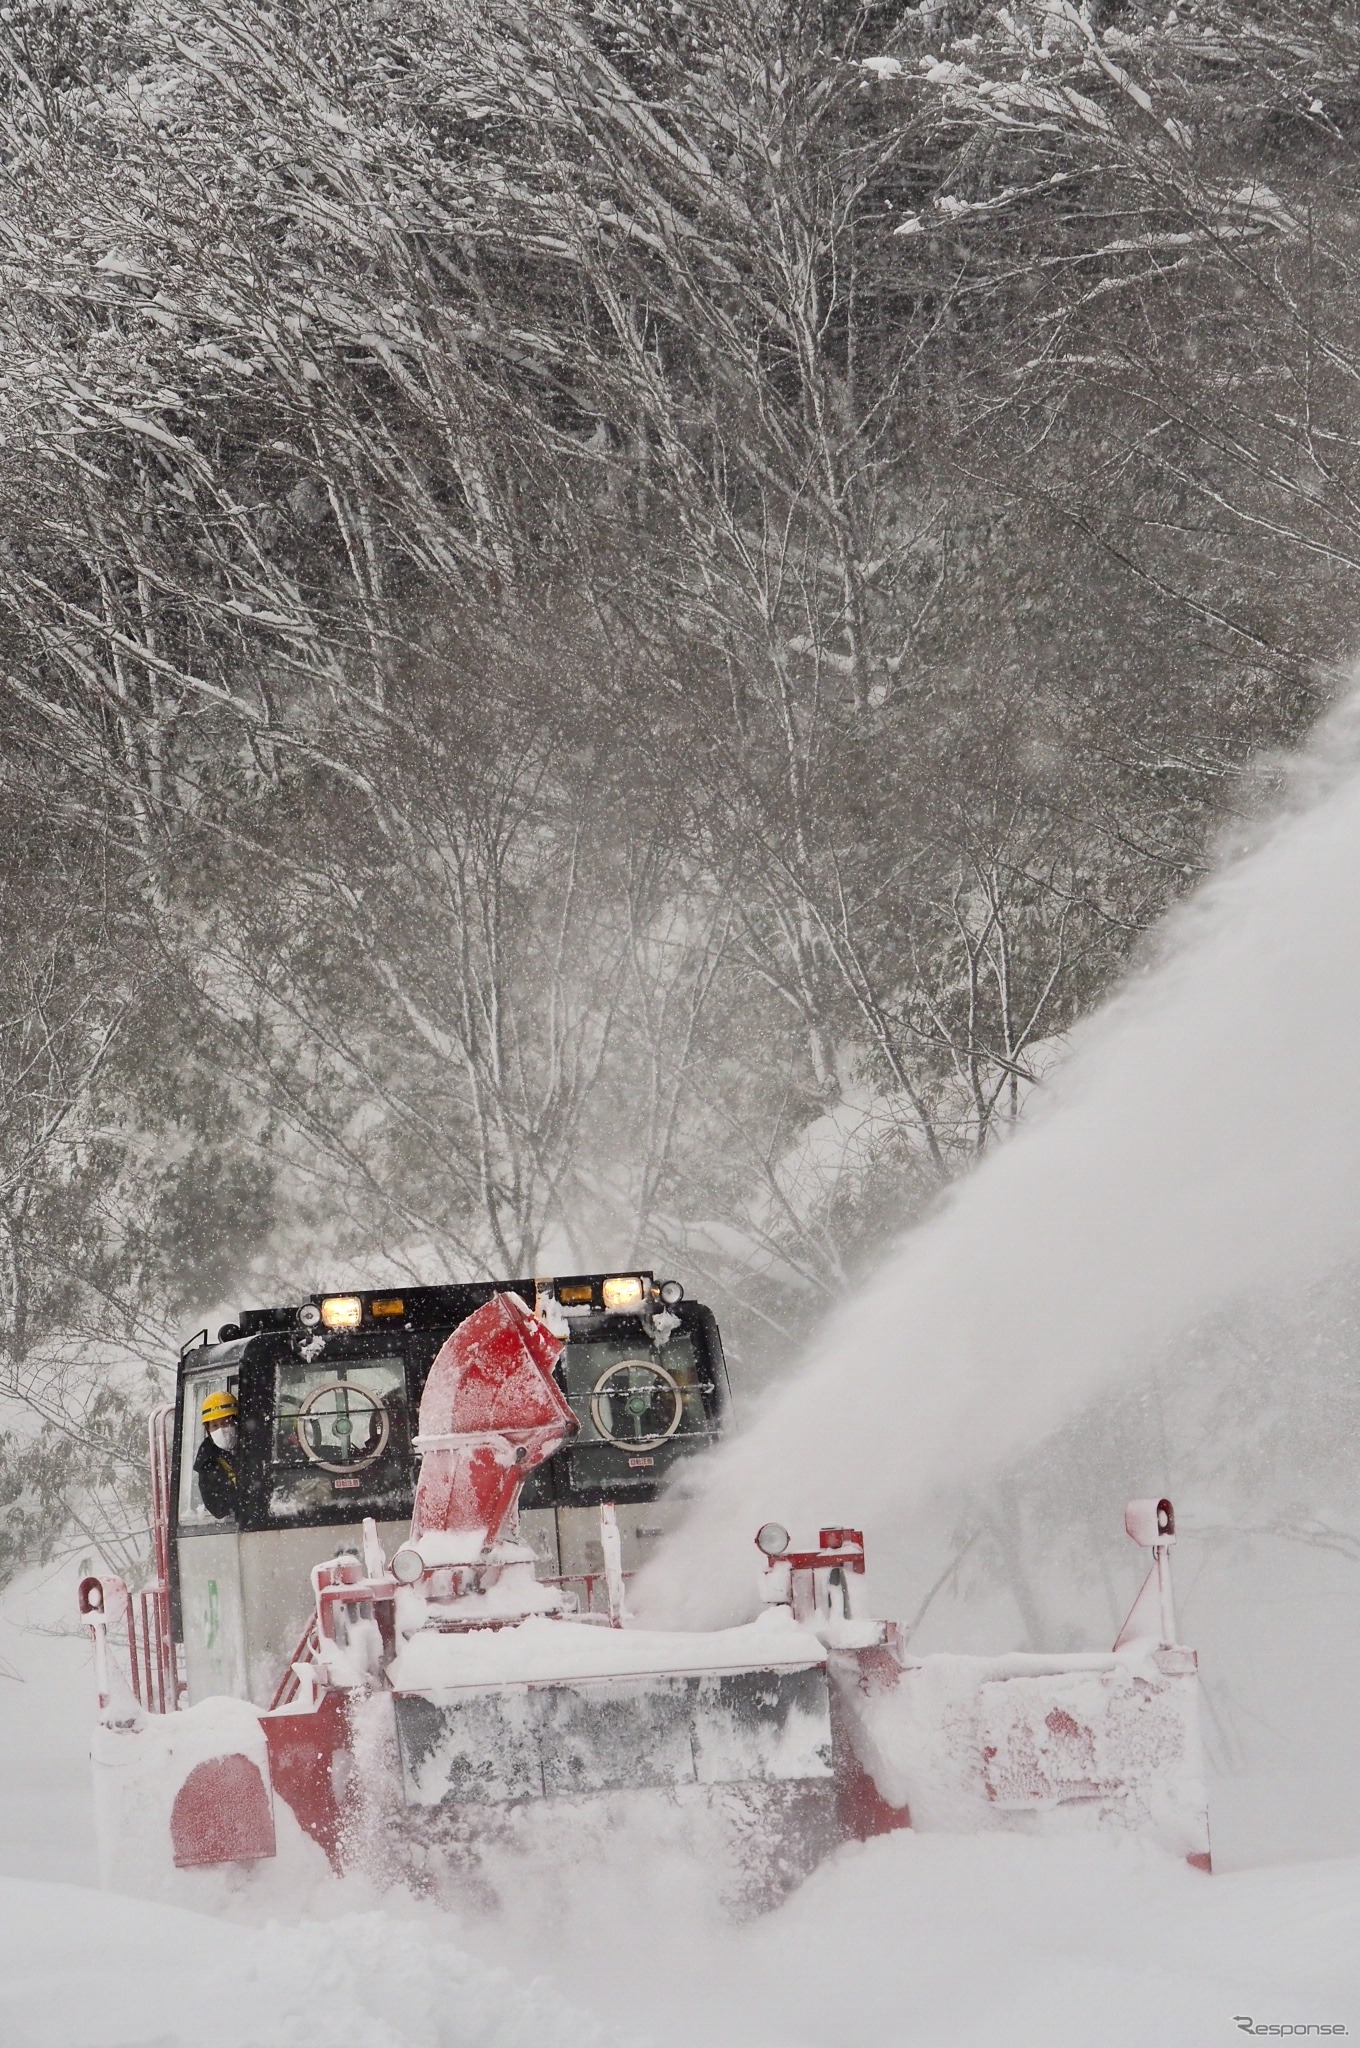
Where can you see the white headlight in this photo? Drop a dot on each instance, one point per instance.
(773, 1538)
(671, 1292)
(407, 1566)
(623, 1290)
(309, 1315)
(342, 1312)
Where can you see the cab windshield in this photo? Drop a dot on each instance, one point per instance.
(629, 1393)
(640, 1406)
(341, 1435)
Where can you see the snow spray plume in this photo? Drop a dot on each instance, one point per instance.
(1200, 1148)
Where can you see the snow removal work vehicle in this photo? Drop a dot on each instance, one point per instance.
(393, 1536)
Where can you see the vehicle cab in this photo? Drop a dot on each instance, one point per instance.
(327, 1396)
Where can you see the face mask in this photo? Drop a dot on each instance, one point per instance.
(224, 1436)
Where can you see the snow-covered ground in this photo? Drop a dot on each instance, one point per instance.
(934, 1941)
(80, 1969)
(930, 1941)
(46, 1817)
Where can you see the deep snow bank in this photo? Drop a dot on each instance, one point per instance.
(46, 1712)
(80, 1969)
(927, 1940)
(917, 1941)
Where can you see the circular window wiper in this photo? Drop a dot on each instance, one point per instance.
(636, 1404)
(326, 1435)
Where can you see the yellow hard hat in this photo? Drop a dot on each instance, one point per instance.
(219, 1408)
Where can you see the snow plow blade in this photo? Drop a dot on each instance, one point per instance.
(544, 1741)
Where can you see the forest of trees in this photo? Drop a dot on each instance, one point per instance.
(613, 617)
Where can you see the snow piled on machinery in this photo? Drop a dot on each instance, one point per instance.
(442, 1693)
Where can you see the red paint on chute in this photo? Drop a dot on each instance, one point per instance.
(490, 1413)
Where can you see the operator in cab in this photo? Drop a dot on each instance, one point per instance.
(215, 1465)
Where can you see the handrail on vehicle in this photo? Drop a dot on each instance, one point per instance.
(106, 1602)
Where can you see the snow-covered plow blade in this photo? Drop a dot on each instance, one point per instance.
(545, 1741)
(1038, 1745)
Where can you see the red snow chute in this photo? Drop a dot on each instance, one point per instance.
(490, 1413)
